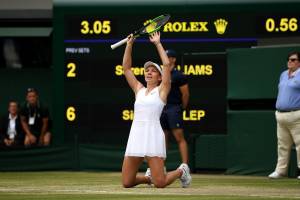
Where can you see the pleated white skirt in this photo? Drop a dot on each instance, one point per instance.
(146, 138)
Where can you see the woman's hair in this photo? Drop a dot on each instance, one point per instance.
(13, 101)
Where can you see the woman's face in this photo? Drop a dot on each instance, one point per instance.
(13, 108)
(152, 75)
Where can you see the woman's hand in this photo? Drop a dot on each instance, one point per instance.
(155, 38)
(130, 39)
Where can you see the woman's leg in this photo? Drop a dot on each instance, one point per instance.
(129, 172)
(159, 178)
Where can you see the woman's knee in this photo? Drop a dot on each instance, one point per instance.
(127, 181)
(160, 183)
(127, 184)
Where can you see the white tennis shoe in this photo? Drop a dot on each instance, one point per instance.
(276, 175)
(148, 174)
(186, 177)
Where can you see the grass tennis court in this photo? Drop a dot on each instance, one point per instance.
(99, 185)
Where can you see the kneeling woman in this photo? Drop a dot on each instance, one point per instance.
(146, 139)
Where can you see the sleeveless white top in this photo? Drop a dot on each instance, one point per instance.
(146, 137)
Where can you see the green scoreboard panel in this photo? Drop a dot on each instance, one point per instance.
(93, 100)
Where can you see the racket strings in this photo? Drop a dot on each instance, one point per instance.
(151, 27)
(156, 23)
(162, 20)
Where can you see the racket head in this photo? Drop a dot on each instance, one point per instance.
(153, 26)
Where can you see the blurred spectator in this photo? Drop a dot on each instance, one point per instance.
(11, 132)
(35, 120)
(11, 54)
(15, 54)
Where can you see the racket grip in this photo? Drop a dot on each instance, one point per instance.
(113, 46)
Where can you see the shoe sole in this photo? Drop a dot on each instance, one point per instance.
(190, 178)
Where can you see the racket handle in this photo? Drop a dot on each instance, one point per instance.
(113, 46)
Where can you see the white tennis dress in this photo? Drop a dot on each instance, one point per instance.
(146, 137)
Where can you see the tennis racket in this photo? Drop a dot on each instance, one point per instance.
(151, 27)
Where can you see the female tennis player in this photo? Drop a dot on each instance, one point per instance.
(146, 139)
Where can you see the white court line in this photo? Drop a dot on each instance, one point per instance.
(228, 191)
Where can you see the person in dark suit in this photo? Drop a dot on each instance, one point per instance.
(11, 132)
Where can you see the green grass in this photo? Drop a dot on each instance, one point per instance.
(97, 185)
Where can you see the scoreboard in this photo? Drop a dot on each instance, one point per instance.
(93, 100)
